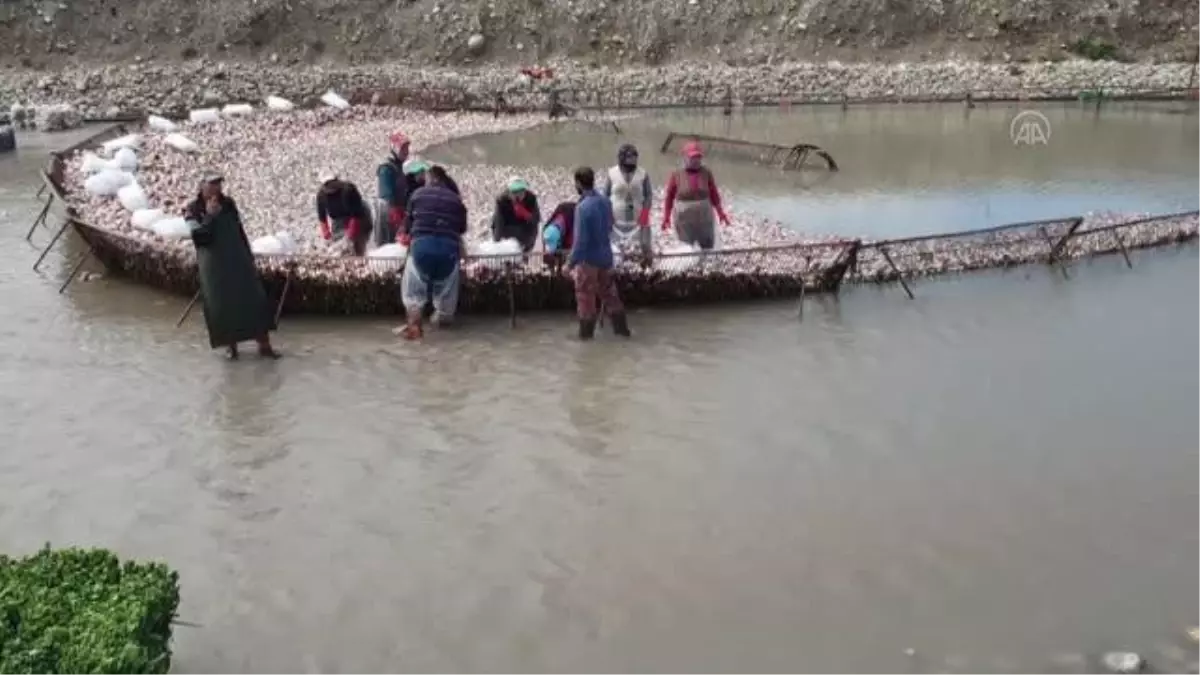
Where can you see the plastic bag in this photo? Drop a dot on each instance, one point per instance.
(181, 143)
(106, 183)
(502, 247)
(92, 163)
(172, 228)
(204, 115)
(133, 197)
(268, 245)
(132, 141)
(144, 219)
(125, 160)
(388, 251)
(237, 110)
(334, 101)
(279, 104)
(162, 124)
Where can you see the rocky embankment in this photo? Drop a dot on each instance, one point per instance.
(49, 34)
(172, 89)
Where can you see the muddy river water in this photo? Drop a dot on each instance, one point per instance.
(998, 475)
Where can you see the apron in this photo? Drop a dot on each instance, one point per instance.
(695, 222)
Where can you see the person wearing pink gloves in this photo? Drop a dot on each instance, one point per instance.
(695, 190)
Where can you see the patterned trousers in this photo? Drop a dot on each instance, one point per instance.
(594, 285)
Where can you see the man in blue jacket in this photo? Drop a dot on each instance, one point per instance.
(591, 259)
(437, 221)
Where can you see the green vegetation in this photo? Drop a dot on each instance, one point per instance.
(1094, 49)
(83, 611)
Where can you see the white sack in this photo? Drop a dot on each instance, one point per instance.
(268, 245)
(388, 251)
(107, 182)
(125, 160)
(334, 101)
(144, 219)
(237, 110)
(162, 124)
(133, 197)
(132, 141)
(204, 115)
(92, 163)
(502, 247)
(172, 228)
(181, 143)
(280, 104)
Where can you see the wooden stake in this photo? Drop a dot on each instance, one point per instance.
(53, 241)
(1124, 252)
(41, 217)
(287, 283)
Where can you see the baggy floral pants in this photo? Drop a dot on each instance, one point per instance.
(593, 285)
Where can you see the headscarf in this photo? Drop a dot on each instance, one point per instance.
(627, 157)
(693, 155)
(399, 142)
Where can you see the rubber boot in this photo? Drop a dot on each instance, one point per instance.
(232, 352)
(587, 329)
(620, 325)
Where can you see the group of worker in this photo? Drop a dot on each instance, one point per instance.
(420, 206)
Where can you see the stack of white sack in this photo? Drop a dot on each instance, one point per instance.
(389, 251)
(496, 253)
(58, 117)
(107, 182)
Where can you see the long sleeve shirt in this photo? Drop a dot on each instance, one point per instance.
(714, 197)
(593, 231)
(346, 202)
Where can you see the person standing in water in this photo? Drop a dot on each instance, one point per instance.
(627, 186)
(393, 190)
(695, 190)
(234, 301)
(591, 259)
(437, 221)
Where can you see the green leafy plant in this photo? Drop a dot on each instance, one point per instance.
(83, 611)
(1094, 49)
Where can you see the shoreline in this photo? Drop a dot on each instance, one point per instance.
(133, 90)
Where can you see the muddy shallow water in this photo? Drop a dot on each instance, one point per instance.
(910, 169)
(998, 475)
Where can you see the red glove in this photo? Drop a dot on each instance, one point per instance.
(644, 218)
(395, 216)
(325, 233)
(666, 225)
(723, 218)
(352, 229)
(404, 239)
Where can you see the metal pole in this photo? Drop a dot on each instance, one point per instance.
(512, 300)
(187, 310)
(287, 283)
(899, 277)
(75, 270)
(1053, 255)
(49, 246)
(41, 218)
(1124, 251)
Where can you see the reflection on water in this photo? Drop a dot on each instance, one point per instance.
(994, 473)
(910, 169)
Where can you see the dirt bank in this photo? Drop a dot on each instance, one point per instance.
(44, 34)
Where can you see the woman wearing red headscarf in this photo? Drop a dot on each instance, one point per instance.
(693, 197)
(393, 191)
